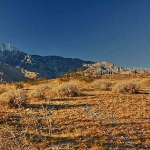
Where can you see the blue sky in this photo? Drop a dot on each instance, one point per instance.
(117, 31)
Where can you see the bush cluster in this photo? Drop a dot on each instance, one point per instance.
(69, 89)
(19, 85)
(131, 87)
(16, 98)
(2, 90)
(40, 92)
(102, 84)
(145, 83)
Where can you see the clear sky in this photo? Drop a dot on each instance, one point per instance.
(117, 31)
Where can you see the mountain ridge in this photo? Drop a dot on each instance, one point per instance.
(47, 66)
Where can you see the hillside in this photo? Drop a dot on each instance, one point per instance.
(48, 66)
(100, 68)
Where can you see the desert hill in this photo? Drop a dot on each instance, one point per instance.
(18, 65)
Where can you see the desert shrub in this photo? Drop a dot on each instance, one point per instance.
(131, 87)
(39, 91)
(2, 89)
(16, 98)
(33, 81)
(71, 88)
(101, 84)
(19, 85)
(145, 83)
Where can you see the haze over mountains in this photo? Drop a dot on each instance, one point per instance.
(17, 65)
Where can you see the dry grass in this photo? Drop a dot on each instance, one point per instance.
(9, 141)
(131, 87)
(69, 89)
(101, 84)
(145, 82)
(15, 98)
(94, 121)
(40, 91)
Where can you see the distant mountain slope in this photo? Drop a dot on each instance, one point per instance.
(11, 73)
(104, 67)
(47, 66)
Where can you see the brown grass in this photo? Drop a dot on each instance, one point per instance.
(69, 89)
(15, 98)
(101, 84)
(131, 87)
(95, 120)
(145, 82)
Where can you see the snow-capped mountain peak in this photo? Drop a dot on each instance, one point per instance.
(8, 47)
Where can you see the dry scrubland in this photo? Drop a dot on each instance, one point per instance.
(112, 112)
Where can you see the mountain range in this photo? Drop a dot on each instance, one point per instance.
(16, 65)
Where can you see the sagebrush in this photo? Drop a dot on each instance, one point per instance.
(39, 92)
(16, 98)
(102, 84)
(71, 88)
(131, 87)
